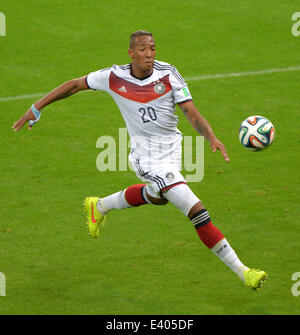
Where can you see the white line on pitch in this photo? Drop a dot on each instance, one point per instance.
(240, 74)
(25, 96)
(194, 78)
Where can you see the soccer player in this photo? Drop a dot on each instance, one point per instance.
(146, 92)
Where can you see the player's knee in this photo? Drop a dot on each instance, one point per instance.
(184, 199)
(195, 209)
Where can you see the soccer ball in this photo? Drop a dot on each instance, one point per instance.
(256, 133)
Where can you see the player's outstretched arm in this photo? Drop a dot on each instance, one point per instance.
(202, 126)
(63, 91)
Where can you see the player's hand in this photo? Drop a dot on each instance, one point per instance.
(24, 119)
(217, 145)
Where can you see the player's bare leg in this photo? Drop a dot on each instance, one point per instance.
(196, 208)
(157, 201)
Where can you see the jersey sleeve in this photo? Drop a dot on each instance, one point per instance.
(181, 91)
(98, 80)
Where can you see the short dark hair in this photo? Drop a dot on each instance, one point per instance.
(137, 33)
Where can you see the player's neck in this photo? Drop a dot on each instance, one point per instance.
(138, 73)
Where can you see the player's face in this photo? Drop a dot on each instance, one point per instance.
(143, 54)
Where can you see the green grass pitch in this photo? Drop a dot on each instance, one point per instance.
(148, 260)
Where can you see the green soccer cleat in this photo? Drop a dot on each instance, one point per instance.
(255, 278)
(94, 218)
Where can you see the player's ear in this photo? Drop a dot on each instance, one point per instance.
(130, 53)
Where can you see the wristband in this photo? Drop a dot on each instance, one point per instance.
(37, 115)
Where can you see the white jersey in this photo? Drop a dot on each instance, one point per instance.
(147, 106)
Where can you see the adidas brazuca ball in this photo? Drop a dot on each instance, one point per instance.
(256, 133)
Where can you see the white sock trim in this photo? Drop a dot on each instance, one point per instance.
(113, 201)
(145, 195)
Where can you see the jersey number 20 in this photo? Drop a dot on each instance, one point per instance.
(148, 114)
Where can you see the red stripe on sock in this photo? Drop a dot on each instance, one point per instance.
(209, 234)
(134, 196)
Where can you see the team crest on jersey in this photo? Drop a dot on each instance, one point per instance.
(159, 88)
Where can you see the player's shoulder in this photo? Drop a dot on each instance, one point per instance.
(120, 68)
(168, 69)
(159, 65)
(121, 71)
